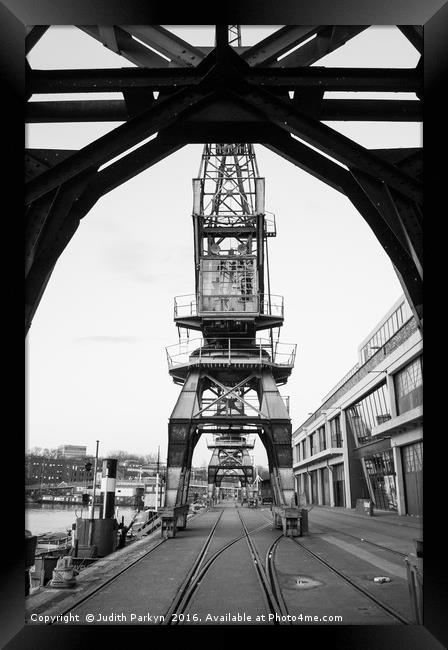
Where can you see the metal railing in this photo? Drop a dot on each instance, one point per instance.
(232, 220)
(185, 305)
(199, 305)
(269, 225)
(235, 350)
(230, 441)
(228, 303)
(52, 542)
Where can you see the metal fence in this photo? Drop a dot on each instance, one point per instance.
(257, 304)
(231, 350)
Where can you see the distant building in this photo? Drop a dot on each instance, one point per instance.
(199, 475)
(71, 451)
(40, 470)
(366, 438)
(134, 469)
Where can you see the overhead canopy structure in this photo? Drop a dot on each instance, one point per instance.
(271, 93)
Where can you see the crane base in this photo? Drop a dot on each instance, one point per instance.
(173, 519)
(293, 521)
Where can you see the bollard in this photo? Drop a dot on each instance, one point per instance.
(64, 574)
(303, 522)
(30, 550)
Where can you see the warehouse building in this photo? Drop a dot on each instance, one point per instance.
(366, 439)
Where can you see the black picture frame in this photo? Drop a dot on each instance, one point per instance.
(14, 15)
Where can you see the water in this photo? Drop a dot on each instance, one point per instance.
(59, 517)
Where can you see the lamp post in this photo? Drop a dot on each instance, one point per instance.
(157, 478)
(92, 512)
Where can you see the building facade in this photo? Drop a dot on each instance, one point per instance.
(72, 451)
(134, 469)
(366, 439)
(41, 470)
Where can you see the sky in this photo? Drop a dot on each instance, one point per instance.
(96, 365)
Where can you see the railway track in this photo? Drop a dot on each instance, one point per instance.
(358, 539)
(177, 613)
(263, 563)
(191, 583)
(364, 540)
(383, 606)
(267, 574)
(107, 582)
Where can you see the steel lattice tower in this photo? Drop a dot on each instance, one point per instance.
(230, 457)
(230, 377)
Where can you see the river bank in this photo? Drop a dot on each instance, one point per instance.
(48, 517)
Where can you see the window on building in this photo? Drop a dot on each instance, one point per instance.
(386, 331)
(322, 438)
(335, 432)
(409, 386)
(313, 444)
(412, 456)
(369, 412)
(339, 485)
(381, 475)
(304, 455)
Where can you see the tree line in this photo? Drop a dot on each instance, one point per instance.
(120, 454)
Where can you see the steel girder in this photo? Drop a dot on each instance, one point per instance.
(269, 49)
(135, 162)
(409, 160)
(341, 180)
(121, 42)
(401, 257)
(116, 110)
(167, 43)
(132, 41)
(325, 39)
(330, 79)
(186, 425)
(386, 224)
(57, 223)
(117, 142)
(33, 36)
(111, 79)
(330, 142)
(252, 78)
(223, 460)
(51, 223)
(381, 196)
(414, 34)
(40, 160)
